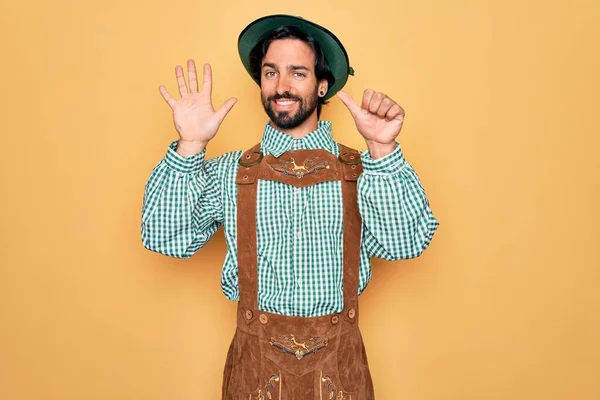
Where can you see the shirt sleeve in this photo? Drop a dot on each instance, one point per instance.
(182, 207)
(397, 220)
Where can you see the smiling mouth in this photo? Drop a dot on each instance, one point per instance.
(285, 102)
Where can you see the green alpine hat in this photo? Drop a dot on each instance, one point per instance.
(334, 51)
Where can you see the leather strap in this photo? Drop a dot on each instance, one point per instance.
(247, 256)
(352, 230)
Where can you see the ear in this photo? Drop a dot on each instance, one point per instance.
(322, 87)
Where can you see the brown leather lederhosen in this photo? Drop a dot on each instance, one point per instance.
(277, 357)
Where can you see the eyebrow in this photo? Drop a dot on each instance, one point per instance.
(289, 68)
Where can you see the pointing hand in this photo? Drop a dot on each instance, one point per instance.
(379, 119)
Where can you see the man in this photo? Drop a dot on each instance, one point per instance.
(302, 214)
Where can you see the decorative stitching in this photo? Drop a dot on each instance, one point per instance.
(269, 388)
(290, 168)
(289, 345)
(332, 389)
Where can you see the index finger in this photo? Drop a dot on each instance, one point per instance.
(207, 81)
(367, 95)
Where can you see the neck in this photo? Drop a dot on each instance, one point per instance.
(308, 126)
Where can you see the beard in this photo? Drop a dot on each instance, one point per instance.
(285, 120)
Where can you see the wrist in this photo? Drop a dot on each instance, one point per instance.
(187, 148)
(378, 150)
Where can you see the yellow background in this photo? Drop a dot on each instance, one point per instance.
(502, 128)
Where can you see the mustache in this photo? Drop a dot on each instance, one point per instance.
(285, 95)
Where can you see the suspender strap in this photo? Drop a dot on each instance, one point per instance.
(246, 231)
(350, 162)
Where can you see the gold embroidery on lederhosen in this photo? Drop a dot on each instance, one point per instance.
(269, 388)
(334, 393)
(289, 345)
(310, 166)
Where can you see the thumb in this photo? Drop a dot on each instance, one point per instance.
(222, 112)
(349, 103)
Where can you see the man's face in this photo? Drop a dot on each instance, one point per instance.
(288, 83)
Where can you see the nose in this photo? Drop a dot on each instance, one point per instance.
(283, 85)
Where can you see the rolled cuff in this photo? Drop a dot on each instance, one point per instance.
(183, 164)
(386, 165)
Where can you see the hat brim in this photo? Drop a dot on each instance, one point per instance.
(335, 53)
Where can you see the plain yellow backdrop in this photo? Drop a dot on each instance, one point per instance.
(502, 127)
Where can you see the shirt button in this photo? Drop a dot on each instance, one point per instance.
(297, 190)
(298, 234)
(248, 314)
(334, 319)
(299, 282)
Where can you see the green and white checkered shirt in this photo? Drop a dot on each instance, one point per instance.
(299, 230)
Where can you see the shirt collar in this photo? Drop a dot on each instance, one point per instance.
(276, 142)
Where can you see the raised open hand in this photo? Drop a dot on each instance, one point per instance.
(194, 116)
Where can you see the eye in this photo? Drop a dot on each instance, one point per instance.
(269, 74)
(299, 75)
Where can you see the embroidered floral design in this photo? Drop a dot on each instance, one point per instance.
(269, 389)
(334, 393)
(310, 166)
(289, 345)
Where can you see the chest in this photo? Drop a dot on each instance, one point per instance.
(281, 207)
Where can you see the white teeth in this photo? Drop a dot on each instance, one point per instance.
(285, 103)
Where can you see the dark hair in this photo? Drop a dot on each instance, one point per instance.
(257, 54)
